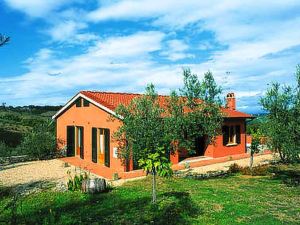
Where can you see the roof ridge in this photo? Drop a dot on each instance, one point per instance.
(123, 93)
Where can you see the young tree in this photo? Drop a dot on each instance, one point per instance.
(3, 40)
(283, 121)
(154, 126)
(256, 136)
(142, 135)
(196, 112)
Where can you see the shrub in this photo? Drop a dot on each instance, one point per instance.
(40, 142)
(5, 150)
(234, 168)
(261, 170)
(187, 165)
(75, 183)
(115, 176)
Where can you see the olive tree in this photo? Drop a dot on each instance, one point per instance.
(196, 111)
(3, 40)
(153, 127)
(143, 135)
(283, 121)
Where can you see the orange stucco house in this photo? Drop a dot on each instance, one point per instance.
(84, 130)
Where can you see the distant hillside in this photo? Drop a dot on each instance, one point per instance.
(16, 121)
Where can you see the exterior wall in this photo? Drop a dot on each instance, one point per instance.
(89, 117)
(93, 116)
(219, 150)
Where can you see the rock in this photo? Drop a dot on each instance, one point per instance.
(95, 185)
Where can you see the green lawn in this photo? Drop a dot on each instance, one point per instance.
(232, 200)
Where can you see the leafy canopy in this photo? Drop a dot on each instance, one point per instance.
(283, 121)
(4, 40)
(153, 127)
(195, 112)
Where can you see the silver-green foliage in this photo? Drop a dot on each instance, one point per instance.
(153, 127)
(283, 121)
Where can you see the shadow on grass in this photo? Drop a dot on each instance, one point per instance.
(288, 174)
(110, 208)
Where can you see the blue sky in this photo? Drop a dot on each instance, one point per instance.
(59, 47)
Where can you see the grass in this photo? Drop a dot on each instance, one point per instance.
(232, 200)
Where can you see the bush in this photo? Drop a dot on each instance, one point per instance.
(40, 142)
(234, 168)
(75, 183)
(5, 150)
(261, 170)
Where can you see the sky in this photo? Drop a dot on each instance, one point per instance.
(59, 47)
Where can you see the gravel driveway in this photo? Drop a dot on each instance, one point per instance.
(37, 174)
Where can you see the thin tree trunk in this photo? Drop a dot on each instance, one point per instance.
(154, 186)
(251, 161)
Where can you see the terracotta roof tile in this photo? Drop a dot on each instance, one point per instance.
(111, 100)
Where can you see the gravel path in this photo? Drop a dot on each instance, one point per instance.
(261, 159)
(54, 171)
(46, 171)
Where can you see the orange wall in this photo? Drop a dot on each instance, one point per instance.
(219, 150)
(89, 117)
(93, 116)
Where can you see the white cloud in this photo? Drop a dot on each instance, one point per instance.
(114, 62)
(36, 8)
(249, 32)
(70, 32)
(176, 50)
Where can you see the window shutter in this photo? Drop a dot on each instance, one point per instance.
(238, 134)
(107, 148)
(86, 103)
(70, 141)
(225, 131)
(81, 143)
(78, 102)
(94, 145)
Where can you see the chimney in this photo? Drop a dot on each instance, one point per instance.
(230, 101)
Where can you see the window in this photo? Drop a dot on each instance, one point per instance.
(101, 146)
(78, 102)
(86, 103)
(231, 135)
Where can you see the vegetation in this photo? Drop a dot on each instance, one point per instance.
(3, 40)
(153, 129)
(75, 183)
(235, 199)
(261, 170)
(283, 121)
(19, 123)
(195, 112)
(40, 142)
(256, 139)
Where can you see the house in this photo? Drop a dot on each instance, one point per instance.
(85, 128)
